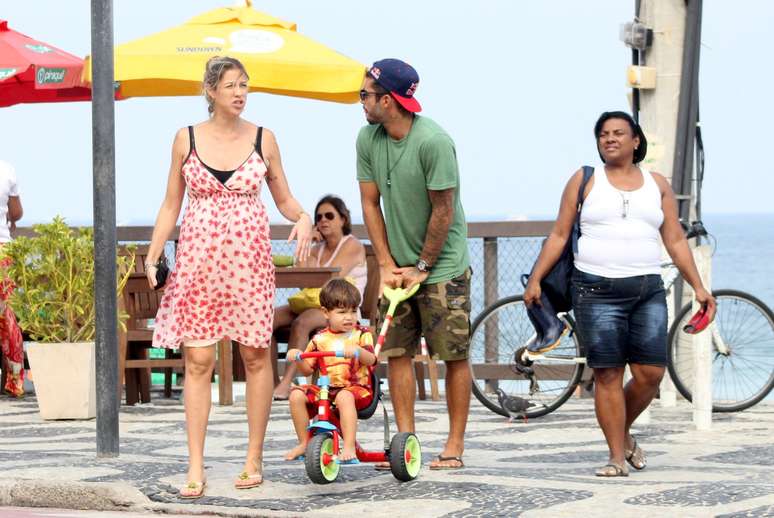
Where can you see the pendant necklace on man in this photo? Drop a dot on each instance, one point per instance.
(391, 167)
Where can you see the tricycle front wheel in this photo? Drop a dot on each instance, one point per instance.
(320, 462)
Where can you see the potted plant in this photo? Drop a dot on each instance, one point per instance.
(54, 305)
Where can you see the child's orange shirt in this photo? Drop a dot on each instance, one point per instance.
(342, 371)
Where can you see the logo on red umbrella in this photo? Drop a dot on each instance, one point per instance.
(32, 71)
(50, 75)
(40, 49)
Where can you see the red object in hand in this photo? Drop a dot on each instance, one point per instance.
(698, 322)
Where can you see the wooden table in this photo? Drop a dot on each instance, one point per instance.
(301, 277)
(285, 277)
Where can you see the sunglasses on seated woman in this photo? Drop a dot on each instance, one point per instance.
(328, 215)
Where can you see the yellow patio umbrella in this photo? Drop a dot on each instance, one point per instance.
(278, 59)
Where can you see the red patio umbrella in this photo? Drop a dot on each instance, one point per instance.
(35, 72)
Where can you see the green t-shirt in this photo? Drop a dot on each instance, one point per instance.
(404, 170)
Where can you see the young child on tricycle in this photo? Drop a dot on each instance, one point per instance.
(344, 357)
(349, 386)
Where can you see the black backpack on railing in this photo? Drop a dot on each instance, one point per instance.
(557, 283)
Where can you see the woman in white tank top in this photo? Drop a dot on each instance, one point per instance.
(338, 248)
(618, 296)
(620, 228)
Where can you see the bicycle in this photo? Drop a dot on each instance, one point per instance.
(535, 385)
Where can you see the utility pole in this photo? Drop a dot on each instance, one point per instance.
(665, 38)
(103, 163)
(657, 102)
(667, 91)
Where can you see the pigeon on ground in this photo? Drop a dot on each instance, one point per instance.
(514, 405)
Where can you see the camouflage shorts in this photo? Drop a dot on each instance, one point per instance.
(439, 312)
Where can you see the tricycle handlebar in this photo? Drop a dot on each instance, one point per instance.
(321, 354)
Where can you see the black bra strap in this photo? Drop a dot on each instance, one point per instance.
(192, 144)
(258, 142)
(191, 135)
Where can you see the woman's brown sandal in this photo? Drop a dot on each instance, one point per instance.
(635, 457)
(612, 470)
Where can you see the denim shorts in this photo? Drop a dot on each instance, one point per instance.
(621, 321)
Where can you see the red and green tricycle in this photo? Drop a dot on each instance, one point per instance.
(403, 452)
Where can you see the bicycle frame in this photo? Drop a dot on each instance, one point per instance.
(548, 355)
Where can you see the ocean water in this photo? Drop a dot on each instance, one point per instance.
(744, 256)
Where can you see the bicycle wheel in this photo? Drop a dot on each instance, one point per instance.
(743, 352)
(499, 334)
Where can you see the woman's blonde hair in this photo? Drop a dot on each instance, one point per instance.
(213, 72)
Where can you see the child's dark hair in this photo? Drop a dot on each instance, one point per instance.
(339, 293)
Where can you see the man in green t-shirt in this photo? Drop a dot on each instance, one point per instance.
(407, 165)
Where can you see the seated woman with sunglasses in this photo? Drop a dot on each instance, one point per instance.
(337, 247)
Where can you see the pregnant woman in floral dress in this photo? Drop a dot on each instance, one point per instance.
(223, 285)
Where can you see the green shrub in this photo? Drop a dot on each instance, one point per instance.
(54, 276)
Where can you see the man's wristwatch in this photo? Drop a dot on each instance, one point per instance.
(422, 266)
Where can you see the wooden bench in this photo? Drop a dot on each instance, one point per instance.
(141, 303)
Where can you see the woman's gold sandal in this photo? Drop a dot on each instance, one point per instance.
(192, 490)
(247, 480)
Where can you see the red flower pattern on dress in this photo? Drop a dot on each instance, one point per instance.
(223, 283)
(10, 336)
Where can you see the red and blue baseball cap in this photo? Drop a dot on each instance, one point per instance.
(398, 78)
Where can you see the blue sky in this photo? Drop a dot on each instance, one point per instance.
(517, 84)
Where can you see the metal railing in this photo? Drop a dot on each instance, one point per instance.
(500, 251)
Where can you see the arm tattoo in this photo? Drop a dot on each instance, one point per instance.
(438, 227)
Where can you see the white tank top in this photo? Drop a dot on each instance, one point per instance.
(359, 273)
(620, 229)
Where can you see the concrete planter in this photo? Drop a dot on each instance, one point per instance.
(65, 379)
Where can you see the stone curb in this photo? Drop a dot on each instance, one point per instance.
(108, 496)
(71, 495)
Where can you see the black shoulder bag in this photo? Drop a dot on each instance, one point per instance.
(556, 283)
(162, 272)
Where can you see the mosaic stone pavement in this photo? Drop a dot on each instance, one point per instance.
(540, 468)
